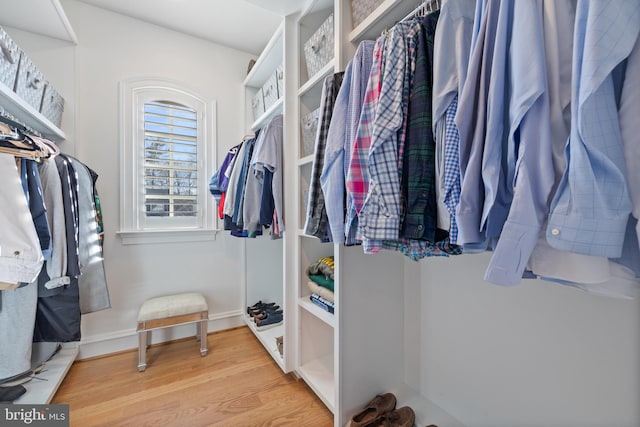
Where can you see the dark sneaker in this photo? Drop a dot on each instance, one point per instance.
(269, 321)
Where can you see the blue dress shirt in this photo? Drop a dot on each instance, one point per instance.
(591, 207)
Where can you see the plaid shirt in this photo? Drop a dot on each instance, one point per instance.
(380, 215)
(362, 63)
(358, 175)
(418, 173)
(317, 223)
(451, 182)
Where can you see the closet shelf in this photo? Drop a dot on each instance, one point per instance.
(42, 389)
(318, 374)
(270, 58)
(374, 24)
(317, 78)
(274, 110)
(28, 115)
(306, 160)
(268, 340)
(316, 311)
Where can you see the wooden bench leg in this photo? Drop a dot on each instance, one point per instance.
(142, 351)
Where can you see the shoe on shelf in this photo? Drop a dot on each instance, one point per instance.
(265, 307)
(259, 306)
(263, 314)
(401, 417)
(378, 406)
(269, 321)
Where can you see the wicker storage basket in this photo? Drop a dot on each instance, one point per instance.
(270, 91)
(257, 105)
(319, 49)
(30, 83)
(309, 125)
(9, 60)
(360, 9)
(280, 80)
(52, 105)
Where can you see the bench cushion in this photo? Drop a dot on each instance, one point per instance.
(171, 305)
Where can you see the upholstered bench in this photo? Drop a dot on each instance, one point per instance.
(171, 310)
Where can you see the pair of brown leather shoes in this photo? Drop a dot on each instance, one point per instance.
(381, 412)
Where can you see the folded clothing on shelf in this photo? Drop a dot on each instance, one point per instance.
(322, 291)
(322, 303)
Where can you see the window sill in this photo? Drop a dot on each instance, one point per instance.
(166, 236)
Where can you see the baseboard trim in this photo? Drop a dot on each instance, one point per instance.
(127, 339)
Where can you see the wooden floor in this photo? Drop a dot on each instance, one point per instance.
(237, 384)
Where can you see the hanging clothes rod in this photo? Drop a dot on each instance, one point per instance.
(425, 8)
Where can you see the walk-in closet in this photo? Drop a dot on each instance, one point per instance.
(320, 212)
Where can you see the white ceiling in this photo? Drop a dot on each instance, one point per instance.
(246, 25)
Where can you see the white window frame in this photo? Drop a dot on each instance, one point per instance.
(135, 227)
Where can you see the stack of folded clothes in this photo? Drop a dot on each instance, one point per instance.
(265, 315)
(320, 283)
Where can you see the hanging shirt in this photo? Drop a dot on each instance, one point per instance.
(529, 147)
(332, 176)
(452, 43)
(357, 180)
(234, 178)
(56, 267)
(630, 127)
(20, 254)
(69, 183)
(590, 209)
(418, 185)
(379, 218)
(471, 122)
(267, 155)
(317, 222)
(362, 62)
(33, 192)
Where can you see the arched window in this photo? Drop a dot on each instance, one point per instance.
(166, 157)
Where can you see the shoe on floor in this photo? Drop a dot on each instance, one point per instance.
(378, 406)
(11, 393)
(401, 417)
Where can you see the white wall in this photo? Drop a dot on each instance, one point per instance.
(112, 48)
(538, 354)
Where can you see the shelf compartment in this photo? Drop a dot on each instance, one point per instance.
(316, 311)
(385, 15)
(317, 78)
(318, 374)
(42, 389)
(270, 58)
(316, 357)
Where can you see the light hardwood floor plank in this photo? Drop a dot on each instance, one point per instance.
(236, 384)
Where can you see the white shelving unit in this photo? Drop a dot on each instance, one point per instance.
(264, 258)
(348, 357)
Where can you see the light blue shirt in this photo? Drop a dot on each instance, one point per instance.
(332, 176)
(529, 166)
(472, 127)
(591, 207)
